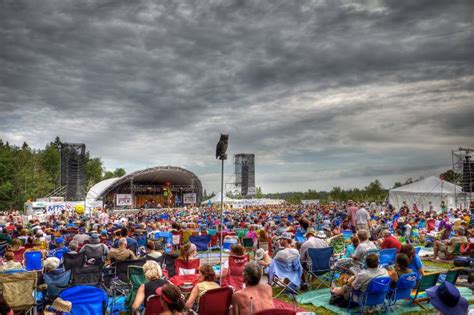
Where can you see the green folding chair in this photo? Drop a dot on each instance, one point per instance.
(427, 281)
(453, 274)
(136, 277)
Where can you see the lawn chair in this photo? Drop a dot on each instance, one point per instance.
(364, 258)
(3, 247)
(402, 290)
(453, 274)
(136, 277)
(90, 276)
(56, 283)
(153, 305)
(86, 300)
(33, 261)
(18, 290)
(376, 292)
(177, 239)
(387, 257)
(215, 302)
(427, 281)
(278, 271)
(72, 261)
(299, 236)
(169, 264)
(167, 240)
(19, 255)
(338, 244)
(189, 267)
(248, 244)
(319, 265)
(203, 244)
(235, 278)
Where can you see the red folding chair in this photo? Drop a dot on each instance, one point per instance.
(275, 311)
(183, 267)
(236, 267)
(153, 305)
(215, 302)
(19, 254)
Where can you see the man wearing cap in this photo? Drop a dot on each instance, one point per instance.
(286, 253)
(59, 247)
(448, 246)
(311, 242)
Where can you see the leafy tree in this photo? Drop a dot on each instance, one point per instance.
(452, 177)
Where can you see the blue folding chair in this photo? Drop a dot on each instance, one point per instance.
(402, 290)
(375, 294)
(56, 283)
(86, 300)
(33, 261)
(203, 243)
(299, 236)
(387, 257)
(320, 265)
(168, 240)
(278, 271)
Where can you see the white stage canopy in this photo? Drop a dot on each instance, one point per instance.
(423, 191)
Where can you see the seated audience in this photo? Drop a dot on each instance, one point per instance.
(415, 263)
(390, 241)
(172, 300)
(9, 262)
(286, 252)
(154, 280)
(207, 281)
(121, 253)
(448, 246)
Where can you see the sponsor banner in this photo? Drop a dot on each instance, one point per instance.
(189, 198)
(124, 200)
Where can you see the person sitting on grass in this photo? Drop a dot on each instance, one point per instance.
(415, 263)
(401, 268)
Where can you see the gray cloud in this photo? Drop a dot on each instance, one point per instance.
(347, 90)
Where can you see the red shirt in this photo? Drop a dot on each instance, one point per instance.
(391, 242)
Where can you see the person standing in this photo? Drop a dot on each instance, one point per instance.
(363, 219)
(351, 213)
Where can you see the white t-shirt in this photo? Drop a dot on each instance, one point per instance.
(362, 216)
(287, 255)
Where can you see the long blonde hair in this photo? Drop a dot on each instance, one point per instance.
(152, 270)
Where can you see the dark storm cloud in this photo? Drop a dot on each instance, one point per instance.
(349, 90)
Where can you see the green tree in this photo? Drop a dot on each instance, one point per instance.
(258, 192)
(452, 177)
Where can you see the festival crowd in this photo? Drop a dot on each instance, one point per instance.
(283, 233)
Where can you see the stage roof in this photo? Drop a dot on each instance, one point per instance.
(154, 176)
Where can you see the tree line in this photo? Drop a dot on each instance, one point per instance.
(27, 174)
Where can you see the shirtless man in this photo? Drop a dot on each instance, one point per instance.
(255, 294)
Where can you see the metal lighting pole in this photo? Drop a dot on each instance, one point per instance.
(222, 219)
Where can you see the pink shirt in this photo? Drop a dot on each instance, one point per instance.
(351, 211)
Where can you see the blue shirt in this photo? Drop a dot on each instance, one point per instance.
(416, 265)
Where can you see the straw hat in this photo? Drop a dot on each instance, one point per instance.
(59, 305)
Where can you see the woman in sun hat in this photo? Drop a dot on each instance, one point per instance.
(262, 257)
(447, 299)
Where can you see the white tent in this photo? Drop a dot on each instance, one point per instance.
(217, 199)
(95, 191)
(423, 191)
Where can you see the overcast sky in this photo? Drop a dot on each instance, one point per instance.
(324, 93)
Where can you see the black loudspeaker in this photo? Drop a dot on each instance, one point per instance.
(468, 175)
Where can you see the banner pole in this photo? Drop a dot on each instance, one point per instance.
(222, 219)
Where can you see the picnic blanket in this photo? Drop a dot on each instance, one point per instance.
(321, 298)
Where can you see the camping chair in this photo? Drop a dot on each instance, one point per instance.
(91, 276)
(33, 261)
(19, 254)
(299, 236)
(278, 271)
(166, 238)
(387, 257)
(136, 277)
(338, 244)
(169, 264)
(215, 302)
(319, 265)
(402, 290)
(3, 247)
(189, 267)
(18, 290)
(452, 275)
(73, 261)
(153, 305)
(56, 283)
(276, 311)
(427, 281)
(248, 244)
(203, 244)
(86, 300)
(235, 278)
(363, 262)
(176, 239)
(375, 294)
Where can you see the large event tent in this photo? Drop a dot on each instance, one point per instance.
(423, 191)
